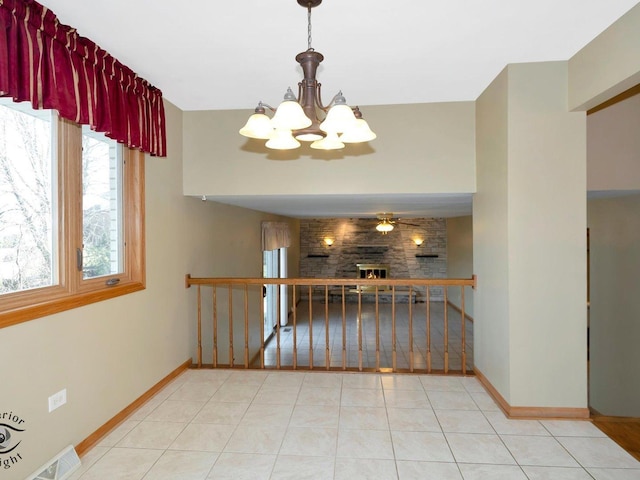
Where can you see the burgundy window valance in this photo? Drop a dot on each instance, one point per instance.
(48, 64)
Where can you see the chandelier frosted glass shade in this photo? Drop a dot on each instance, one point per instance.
(282, 140)
(258, 126)
(359, 133)
(384, 227)
(330, 142)
(289, 115)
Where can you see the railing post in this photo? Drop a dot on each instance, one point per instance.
(215, 326)
(231, 325)
(246, 325)
(199, 327)
(446, 331)
(326, 324)
(295, 333)
(463, 333)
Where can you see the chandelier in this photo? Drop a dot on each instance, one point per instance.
(296, 118)
(384, 226)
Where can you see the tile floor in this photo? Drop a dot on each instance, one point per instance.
(222, 424)
(318, 339)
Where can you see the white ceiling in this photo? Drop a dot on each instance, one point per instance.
(210, 55)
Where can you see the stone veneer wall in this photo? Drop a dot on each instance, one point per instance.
(357, 241)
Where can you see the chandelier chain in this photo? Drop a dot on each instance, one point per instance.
(309, 27)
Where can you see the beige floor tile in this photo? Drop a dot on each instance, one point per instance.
(274, 395)
(174, 465)
(152, 435)
(451, 401)
(265, 414)
(310, 441)
(479, 448)
(598, 452)
(255, 439)
(302, 468)
(179, 411)
(365, 444)
(571, 428)
(491, 472)
(463, 421)
(221, 413)
(363, 418)
(507, 426)
(358, 380)
(543, 451)
(284, 379)
(614, 473)
(195, 392)
(321, 379)
(472, 384)
(413, 419)
(362, 397)
(123, 464)
(556, 473)
(443, 383)
(365, 469)
(318, 396)
(244, 377)
(315, 416)
(236, 393)
(242, 466)
(406, 399)
(203, 437)
(421, 446)
(485, 402)
(411, 470)
(118, 433)
(401, 382)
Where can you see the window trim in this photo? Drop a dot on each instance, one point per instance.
(72, 290)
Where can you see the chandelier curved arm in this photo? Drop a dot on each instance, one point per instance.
(261, 107)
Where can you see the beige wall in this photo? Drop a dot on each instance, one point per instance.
(427, 148)
(491, 353)
(460, 258)
(613, 147)
(608, 65)
(529, 238)
(109, 353)
(614, 225)
(547, 241)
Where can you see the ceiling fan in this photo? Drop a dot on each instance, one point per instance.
(386, 222)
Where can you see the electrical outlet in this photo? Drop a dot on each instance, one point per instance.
(57, 400)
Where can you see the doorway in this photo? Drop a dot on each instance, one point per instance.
(274, 265)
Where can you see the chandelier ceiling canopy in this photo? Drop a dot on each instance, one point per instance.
(297, 117)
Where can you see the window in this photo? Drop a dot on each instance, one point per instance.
(71, 215)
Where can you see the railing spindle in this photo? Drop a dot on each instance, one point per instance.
(360, 328)
(231, 325)
(394, 353)
(428, 299)
(446, 332)
(410, 328)
(377, 332)
(463, 354)
(295, 333)
(246, 325)
(278, 327)
(215, 326)
(261, 297)
(199, 327)
(326, 323)
(310, 331)
(344, 331)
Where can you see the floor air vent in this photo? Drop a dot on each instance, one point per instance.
(59, 467)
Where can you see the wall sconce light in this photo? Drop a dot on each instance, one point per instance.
(418, 242)
(328, 241)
